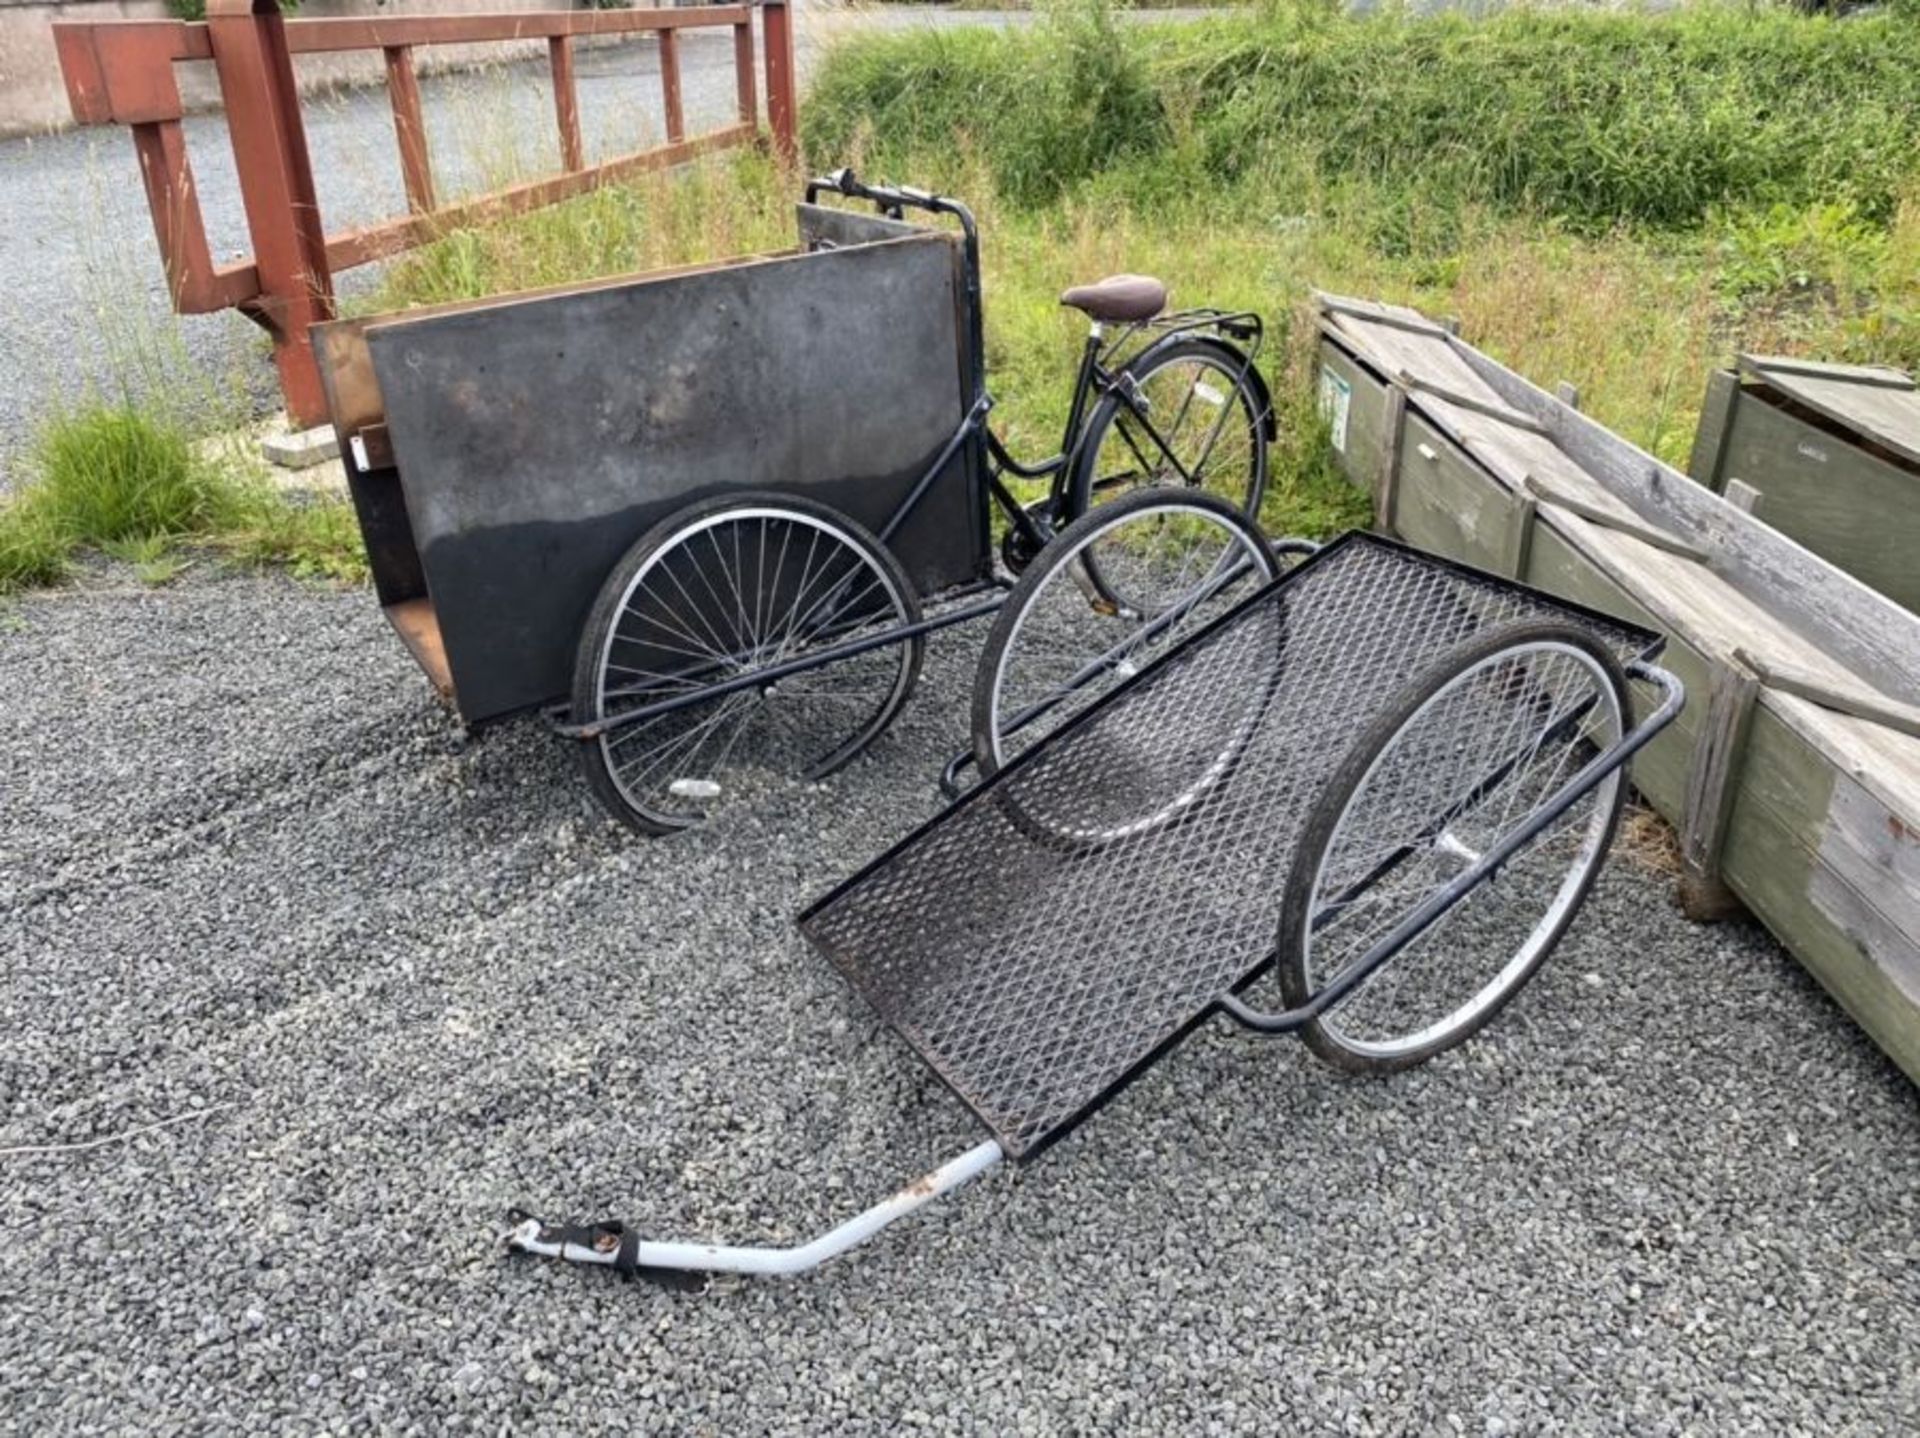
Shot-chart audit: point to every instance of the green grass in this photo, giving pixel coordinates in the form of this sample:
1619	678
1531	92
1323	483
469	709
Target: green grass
736	207
1593	118
1616	199
142	488
107	472
152	557
114	477
34	553
314	538
151	466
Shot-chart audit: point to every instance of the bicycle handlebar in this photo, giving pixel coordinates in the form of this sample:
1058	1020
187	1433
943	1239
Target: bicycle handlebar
890	198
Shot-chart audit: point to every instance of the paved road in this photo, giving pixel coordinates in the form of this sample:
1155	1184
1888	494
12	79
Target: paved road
76	243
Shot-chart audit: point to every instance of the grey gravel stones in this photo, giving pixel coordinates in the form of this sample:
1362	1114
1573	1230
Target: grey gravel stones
244	859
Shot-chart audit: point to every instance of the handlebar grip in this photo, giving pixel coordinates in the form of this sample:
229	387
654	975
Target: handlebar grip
840	181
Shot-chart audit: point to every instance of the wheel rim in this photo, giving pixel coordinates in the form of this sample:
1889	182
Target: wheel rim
1183	564
729	595
1484	751
1201	410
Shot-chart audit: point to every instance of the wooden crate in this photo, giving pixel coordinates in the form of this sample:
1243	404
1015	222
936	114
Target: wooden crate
1793	775
1827	454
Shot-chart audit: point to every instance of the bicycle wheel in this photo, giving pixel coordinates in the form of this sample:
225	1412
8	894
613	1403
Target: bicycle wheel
1467	754
1057	645
717	593
1200	424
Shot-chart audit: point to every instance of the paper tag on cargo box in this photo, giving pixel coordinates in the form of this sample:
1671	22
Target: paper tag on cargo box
1336	396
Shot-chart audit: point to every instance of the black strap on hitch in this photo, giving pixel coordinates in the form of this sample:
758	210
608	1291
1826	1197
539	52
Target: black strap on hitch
623	1243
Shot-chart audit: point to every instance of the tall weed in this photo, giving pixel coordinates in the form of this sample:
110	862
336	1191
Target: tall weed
1596	118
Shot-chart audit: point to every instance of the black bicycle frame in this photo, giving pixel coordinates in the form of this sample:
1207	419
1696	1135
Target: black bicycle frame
1093	378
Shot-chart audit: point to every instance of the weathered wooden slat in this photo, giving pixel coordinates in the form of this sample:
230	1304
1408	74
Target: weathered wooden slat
1876	376
1716	413
1446	502
1857	509
1718	753
1742	496
1377	314
1470	402
1367	408
1887	418
1612	519
1857	701
1391	440
1858	627
1525	514
1557	564
1818	859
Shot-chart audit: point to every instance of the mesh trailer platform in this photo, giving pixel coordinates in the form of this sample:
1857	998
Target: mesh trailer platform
1386	780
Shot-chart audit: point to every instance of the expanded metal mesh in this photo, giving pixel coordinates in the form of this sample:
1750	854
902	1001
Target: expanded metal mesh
1042	938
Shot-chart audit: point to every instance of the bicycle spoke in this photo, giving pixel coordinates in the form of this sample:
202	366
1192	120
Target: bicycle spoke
731	598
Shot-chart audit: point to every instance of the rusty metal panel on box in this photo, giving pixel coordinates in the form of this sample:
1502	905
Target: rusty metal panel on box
540	438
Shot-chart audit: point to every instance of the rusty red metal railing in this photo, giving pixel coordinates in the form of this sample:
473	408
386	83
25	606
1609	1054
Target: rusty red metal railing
121	72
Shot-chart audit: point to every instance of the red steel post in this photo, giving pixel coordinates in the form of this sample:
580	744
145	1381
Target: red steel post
566	103
262	100
776	23
410	128
743	71
670	87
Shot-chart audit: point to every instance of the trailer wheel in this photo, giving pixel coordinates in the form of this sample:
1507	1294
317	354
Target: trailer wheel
1466	754
710	599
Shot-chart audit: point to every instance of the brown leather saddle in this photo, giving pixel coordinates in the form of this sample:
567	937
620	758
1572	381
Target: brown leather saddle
1119	299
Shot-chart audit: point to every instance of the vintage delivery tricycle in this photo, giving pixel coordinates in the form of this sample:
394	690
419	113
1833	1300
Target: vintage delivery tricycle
661	507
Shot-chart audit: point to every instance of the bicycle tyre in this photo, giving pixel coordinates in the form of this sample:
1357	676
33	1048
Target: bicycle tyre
1424	705
1050	581
1233	384
676	602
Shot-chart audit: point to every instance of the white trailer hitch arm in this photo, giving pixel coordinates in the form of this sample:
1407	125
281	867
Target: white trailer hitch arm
613	1245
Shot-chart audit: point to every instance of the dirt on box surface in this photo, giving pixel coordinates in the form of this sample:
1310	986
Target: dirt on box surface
248	866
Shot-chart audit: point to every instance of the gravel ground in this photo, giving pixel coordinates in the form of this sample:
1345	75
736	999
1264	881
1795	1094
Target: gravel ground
1671	1190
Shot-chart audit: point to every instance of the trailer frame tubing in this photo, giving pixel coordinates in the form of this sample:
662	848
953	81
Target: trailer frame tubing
1613	758
774	673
